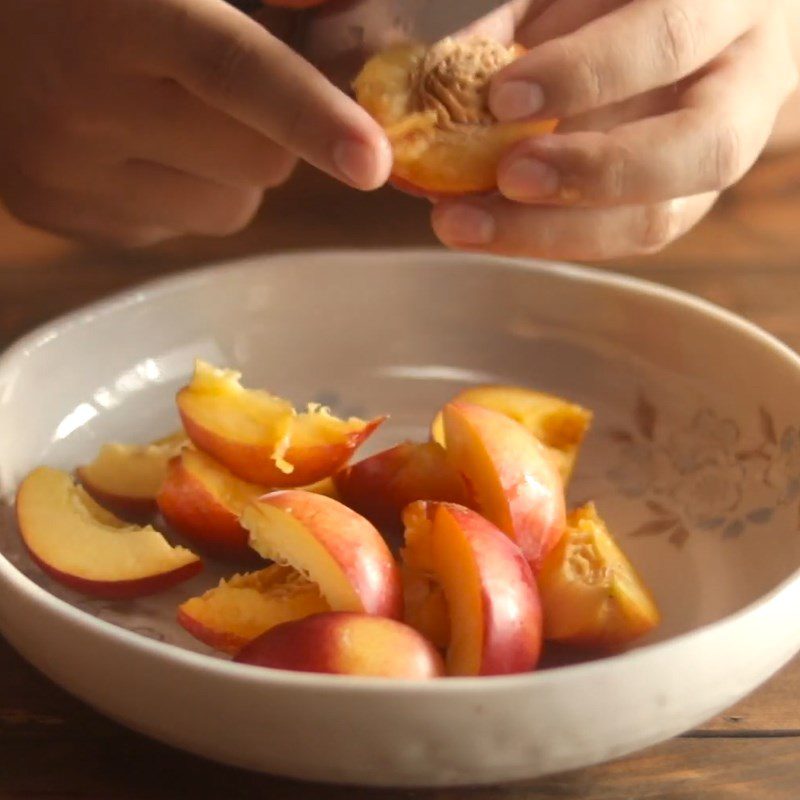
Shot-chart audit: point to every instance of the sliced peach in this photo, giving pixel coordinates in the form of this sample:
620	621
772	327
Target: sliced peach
203	500
341	643
591	593
512	478
239	610
87	548
331	545
126	478
433	104
260	437
425	606
381	486
557	423
493	605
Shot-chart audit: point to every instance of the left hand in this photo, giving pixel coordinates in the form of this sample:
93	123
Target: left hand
663	104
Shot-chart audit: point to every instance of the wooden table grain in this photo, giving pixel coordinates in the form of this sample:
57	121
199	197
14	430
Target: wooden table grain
745	256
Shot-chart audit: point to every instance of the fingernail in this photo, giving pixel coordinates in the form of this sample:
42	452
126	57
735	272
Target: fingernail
359	164
464	225
529	179
516	100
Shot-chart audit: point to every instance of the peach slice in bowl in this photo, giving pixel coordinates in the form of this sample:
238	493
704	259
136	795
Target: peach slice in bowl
260	437
87	548
331	545
559	424
126	478
433	104
494	613
241	608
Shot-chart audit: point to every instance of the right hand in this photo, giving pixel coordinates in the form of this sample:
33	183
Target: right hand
134	121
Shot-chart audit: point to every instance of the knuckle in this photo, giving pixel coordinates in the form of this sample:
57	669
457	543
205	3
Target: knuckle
234	211
279	170
658	228
223	63
613	175
678	38
584	73
136	238
726	155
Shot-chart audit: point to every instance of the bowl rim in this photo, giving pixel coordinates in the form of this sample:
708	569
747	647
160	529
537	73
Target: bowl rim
260	676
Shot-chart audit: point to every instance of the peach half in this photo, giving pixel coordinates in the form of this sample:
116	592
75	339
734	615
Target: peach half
240	609
512	479
591	594
126	478
381	486
203	500
85	547
342	643
493	606
557	423
260	437
329	544
433	104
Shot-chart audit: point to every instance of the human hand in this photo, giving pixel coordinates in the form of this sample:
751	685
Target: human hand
138	120
664	104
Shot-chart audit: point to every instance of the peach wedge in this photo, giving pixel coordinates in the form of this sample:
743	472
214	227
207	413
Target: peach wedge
433	104
87	548
512	478
240	609
203	500
341	643
591	594
331	545
559	424
493	605
381	486
259	437
126	478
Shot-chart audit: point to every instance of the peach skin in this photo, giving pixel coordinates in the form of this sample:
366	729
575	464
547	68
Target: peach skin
591	593
86	547
381	486
512	478
493	605
559	424
342	643
126	478
331	545
203	500
433	104
240	609
259	437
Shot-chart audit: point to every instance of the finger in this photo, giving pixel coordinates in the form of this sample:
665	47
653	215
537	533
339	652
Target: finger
166	197
235	65
163	123
707	144
76	216
563	17
636	48
499	226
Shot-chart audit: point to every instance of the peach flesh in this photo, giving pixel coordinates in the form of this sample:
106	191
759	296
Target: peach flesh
331	545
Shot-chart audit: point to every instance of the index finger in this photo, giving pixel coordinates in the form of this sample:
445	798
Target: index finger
235	65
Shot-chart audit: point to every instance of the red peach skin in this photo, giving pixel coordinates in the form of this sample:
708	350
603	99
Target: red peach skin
492	600
512	478
342	643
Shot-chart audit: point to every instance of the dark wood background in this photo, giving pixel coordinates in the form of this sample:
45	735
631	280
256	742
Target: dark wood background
745	256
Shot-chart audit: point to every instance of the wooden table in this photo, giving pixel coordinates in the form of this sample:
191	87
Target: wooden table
745	256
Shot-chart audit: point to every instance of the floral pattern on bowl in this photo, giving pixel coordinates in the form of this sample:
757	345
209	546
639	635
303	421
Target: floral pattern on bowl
707	475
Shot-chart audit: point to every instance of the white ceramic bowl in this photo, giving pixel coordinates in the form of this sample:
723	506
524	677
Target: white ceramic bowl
694	460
